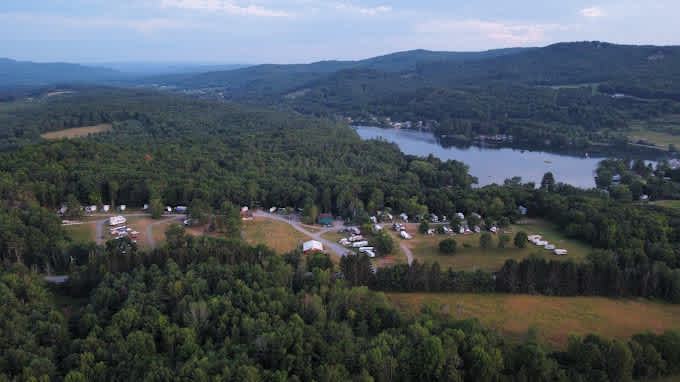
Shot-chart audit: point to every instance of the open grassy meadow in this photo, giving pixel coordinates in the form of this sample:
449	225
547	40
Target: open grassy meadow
333	236
470	256
555	318
672	204
275	234
83	233
660	132
78	131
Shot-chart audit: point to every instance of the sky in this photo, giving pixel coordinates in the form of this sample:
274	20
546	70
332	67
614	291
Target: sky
298	31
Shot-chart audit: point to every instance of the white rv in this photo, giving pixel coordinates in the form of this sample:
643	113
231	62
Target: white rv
116	220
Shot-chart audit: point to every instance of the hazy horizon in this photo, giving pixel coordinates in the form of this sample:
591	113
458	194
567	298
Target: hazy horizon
301	31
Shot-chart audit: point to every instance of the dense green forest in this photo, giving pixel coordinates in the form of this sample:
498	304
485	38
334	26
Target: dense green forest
216	309
219	310
558	96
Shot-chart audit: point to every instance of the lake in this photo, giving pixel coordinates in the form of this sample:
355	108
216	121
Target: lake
493	165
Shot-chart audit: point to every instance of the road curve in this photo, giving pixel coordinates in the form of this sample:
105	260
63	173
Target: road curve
333	247
100	225
149	234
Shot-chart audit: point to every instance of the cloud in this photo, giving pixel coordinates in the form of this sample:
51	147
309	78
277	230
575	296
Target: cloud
148	25
227	6
592	12
364	11
510	33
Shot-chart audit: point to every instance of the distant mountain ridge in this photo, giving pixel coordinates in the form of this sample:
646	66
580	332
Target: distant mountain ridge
273	81
13	73
645	71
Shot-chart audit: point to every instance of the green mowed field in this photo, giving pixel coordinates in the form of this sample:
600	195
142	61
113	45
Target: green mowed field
83	233
275	234
555	318
666	131
333	236
672	204
470	256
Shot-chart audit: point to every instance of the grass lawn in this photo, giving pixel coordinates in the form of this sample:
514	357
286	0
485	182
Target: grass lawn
83	233
333	236
139	224
426	248
397	257
275	234
553	317
158	232
672	204
77	131
312	228
675	378
661	136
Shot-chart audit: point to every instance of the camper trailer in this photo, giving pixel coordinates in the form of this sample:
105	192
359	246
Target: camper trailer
116	220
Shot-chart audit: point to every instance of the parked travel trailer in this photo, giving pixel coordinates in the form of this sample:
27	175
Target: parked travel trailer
116	220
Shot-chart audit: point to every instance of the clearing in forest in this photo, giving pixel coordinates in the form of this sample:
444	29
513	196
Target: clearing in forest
470	256
555	318
659	132
78	131
275	234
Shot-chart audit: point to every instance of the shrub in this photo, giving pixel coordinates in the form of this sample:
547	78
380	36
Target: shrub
448	246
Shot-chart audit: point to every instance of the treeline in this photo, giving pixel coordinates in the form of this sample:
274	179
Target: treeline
34	236
247	319
637	234
600	276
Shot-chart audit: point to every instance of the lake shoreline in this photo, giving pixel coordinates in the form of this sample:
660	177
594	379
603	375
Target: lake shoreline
595	150
493	164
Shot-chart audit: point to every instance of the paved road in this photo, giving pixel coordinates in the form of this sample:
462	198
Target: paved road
100	226
333	247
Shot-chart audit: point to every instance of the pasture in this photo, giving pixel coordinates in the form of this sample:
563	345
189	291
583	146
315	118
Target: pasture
77	131
555	318
660	132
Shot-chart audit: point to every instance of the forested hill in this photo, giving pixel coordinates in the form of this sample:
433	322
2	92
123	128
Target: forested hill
562	64
558	64
13	73
559	96
272	79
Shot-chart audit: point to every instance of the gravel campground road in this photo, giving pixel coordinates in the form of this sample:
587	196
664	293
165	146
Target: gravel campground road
333	247
100	226
407	252
149	234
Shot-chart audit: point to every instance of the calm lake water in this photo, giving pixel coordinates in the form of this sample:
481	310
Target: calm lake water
493	165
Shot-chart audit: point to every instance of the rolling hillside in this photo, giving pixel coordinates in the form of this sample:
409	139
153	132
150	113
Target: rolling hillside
273	80
16	73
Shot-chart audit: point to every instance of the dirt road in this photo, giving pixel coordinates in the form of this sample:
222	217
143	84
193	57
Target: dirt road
331	246
100	226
